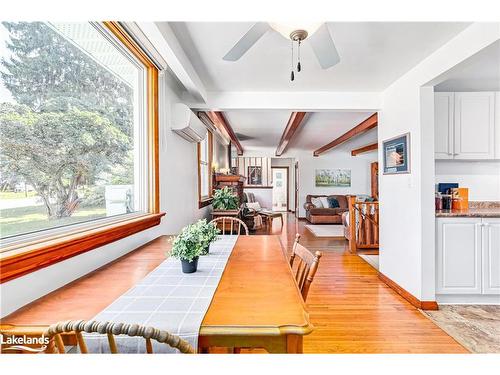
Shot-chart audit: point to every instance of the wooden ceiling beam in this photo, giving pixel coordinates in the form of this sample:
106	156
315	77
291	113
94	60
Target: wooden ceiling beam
368	124
220	122
291	128
367	148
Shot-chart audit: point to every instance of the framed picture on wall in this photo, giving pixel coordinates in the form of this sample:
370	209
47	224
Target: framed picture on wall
254	175
333	178
396	154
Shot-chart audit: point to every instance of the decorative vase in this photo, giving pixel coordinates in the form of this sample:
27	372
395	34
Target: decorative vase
189	267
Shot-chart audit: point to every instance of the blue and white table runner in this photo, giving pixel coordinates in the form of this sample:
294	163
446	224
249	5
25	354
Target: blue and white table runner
166	299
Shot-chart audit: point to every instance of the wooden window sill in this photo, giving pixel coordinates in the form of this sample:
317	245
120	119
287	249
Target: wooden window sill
21	261
205	202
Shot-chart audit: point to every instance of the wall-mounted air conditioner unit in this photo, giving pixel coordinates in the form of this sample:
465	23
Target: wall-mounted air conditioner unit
187	124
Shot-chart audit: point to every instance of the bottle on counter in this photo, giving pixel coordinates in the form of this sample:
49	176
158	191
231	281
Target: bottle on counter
447	201
438	200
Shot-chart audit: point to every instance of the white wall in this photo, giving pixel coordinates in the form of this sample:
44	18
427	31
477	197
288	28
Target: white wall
338	158
481	177
178	198
263	196
407	210
178	170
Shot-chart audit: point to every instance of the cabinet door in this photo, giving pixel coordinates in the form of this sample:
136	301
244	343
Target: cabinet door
491	256
474	136
443	125
458	263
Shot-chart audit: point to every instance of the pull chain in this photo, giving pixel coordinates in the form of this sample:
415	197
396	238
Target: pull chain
298	57
292	75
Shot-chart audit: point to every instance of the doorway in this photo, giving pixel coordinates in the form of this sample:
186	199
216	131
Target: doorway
280	189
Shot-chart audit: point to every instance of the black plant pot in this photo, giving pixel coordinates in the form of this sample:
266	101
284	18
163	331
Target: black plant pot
189	267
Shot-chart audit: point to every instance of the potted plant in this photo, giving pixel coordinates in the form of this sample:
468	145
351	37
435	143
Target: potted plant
193	241
187	247
224	199
208	234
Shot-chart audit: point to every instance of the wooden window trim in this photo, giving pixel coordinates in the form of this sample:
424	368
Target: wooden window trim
205	201
21	259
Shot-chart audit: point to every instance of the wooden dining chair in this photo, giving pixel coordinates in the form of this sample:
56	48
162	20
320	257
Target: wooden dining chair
56	344
232	222
305	266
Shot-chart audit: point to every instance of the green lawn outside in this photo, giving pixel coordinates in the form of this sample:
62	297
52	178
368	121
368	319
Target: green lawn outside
18	195
29	219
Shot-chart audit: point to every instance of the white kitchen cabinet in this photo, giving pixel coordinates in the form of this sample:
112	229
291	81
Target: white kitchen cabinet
491	255
497	125
443	124
468	256
474	125
458	262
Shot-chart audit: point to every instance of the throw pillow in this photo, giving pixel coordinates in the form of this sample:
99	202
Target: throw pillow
333	202
324	202
317	202
254	205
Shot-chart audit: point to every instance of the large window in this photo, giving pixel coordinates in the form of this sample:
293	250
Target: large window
205	152
74	119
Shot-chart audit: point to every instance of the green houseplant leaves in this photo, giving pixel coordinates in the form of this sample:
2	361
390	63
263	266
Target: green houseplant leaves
224	199
193	240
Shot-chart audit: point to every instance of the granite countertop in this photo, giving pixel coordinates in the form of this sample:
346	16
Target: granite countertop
476	209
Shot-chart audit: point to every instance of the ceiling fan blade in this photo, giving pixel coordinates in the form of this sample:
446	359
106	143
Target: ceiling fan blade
247	41
324	48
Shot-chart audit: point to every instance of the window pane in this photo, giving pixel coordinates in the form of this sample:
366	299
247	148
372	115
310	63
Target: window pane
204	150
204	180
71	114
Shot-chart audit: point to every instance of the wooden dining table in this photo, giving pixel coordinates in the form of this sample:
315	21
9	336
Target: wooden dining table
257	303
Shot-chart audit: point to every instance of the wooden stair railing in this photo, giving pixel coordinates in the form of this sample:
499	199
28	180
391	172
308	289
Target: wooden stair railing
363	225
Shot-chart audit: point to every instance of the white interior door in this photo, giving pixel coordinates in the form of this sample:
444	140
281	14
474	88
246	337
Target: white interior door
280	189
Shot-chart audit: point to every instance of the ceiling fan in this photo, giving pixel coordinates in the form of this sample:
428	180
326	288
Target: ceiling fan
317	34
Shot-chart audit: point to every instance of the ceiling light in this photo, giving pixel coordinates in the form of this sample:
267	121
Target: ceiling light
289	30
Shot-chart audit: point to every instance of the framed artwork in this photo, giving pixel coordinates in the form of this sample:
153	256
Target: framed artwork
333	177
396	154
254	175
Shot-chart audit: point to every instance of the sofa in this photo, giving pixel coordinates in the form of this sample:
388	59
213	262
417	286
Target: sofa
321	215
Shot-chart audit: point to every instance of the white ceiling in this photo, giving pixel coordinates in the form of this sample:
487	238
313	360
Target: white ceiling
373	55
261	129
480	72
258	128
320	128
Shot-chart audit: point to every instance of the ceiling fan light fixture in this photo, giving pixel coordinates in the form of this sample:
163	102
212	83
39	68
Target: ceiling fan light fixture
296	31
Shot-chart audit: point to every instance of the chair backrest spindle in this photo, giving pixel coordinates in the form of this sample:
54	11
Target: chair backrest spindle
233	221
307	265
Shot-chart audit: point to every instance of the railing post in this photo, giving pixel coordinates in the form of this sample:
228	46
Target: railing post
352	224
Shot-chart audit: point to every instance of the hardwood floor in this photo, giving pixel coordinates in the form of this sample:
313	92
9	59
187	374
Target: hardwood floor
351	309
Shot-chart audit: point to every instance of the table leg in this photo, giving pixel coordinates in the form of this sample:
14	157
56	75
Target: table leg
294	344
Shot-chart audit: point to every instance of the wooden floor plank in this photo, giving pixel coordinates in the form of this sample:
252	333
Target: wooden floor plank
351	309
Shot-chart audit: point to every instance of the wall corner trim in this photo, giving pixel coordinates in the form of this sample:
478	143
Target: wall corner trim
423	305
